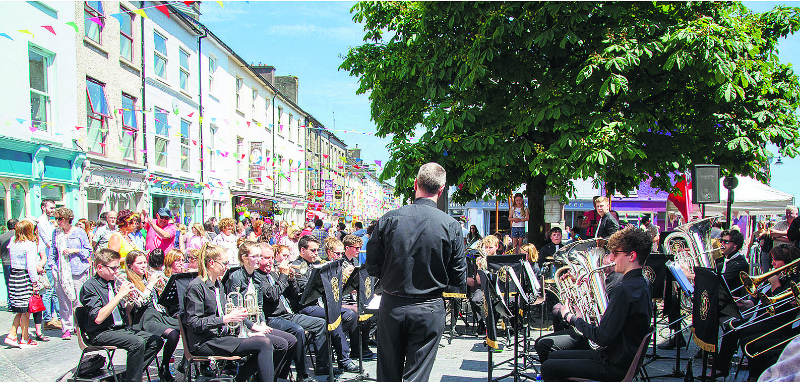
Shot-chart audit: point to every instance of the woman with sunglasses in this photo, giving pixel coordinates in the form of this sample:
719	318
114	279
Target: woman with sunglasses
120	241
207	322
71	250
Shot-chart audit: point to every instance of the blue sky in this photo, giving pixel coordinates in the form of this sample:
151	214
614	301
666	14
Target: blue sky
307	39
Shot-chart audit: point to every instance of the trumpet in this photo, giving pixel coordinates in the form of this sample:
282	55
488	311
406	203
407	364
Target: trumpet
135	296
750	284
234	302
161	284
252	307
299	270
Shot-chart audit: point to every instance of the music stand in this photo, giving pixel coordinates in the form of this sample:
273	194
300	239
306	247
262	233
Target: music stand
354	283
171	297
492	302
315	288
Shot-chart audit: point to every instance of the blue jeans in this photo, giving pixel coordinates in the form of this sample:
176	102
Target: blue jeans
50	298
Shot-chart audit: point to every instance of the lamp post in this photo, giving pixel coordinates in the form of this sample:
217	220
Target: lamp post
730	183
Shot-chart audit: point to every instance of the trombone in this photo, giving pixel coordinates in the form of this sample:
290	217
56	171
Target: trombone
793	292
751	283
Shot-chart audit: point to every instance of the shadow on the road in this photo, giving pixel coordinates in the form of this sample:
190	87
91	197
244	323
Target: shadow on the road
481	347
456	378
473	365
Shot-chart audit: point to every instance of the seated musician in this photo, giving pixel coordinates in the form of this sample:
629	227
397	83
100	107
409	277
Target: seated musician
107	325
489	247
565	337
550	249
350	247
309	249
624	324
761	322
733	262
279	315
248	279
147	314
206	319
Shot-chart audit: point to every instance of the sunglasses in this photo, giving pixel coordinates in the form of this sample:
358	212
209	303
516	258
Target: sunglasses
723	241
339	253
313	250
111	268
353	246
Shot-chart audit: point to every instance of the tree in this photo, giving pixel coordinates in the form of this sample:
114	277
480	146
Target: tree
540	93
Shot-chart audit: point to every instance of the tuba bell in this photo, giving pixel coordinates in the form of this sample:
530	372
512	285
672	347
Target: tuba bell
691	244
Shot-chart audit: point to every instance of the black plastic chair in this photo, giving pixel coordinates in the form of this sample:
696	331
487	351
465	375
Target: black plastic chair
192	359
636	366
81	317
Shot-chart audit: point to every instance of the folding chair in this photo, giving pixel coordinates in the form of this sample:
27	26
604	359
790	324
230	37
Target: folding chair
636	365
81	316
192	359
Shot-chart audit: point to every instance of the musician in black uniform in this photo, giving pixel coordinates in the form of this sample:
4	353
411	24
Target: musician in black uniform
608	223
549	249
417	252
107	321
775	285
207	322
309	254
351	244
249	279
624	324
733	262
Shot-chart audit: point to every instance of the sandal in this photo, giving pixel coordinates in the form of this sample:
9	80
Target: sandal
12	342
29	344
41	337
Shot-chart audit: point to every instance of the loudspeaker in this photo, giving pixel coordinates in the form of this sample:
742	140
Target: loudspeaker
705	183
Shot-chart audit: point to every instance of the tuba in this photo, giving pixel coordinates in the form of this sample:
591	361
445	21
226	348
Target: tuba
691	244
584	261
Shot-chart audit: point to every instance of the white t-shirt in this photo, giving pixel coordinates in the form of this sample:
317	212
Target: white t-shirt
517	212
229	243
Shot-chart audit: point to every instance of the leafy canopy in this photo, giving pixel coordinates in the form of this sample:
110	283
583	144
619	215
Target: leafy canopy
507	93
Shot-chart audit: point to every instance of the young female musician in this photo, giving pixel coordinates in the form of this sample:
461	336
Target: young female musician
147	314
206	319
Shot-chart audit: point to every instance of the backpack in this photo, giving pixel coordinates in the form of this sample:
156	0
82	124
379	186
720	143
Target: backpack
91	366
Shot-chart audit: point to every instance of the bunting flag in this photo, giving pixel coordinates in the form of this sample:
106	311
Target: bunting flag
26	32
6	36
220	4
49	28
163	9
97	21
118	16
73	25
139	12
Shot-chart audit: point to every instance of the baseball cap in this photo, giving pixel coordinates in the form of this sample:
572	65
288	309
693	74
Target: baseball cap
164	212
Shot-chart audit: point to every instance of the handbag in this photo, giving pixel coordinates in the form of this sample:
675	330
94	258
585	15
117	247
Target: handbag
44	282
35	304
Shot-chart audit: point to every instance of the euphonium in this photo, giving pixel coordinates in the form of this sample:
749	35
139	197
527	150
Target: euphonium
751	283
691	244
234	302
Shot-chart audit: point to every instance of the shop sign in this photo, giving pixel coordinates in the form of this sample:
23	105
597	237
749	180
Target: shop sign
338	194
117	181
328	191
256	159
176	189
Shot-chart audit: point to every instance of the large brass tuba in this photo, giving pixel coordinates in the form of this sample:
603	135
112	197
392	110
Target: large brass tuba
584	260
691	244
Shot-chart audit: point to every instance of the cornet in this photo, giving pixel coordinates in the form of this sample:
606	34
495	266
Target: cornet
162	279
135	296
235	301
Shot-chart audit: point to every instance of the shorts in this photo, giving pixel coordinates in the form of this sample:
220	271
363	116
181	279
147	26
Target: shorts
517	232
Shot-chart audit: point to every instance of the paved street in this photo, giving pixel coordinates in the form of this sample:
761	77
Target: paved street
463	360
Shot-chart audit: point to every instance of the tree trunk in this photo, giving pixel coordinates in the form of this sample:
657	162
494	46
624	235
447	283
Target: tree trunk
536	190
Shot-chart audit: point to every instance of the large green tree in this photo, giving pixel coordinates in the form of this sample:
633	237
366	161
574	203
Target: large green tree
540	93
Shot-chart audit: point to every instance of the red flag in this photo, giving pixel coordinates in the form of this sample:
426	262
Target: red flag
681	199
48	27
164	9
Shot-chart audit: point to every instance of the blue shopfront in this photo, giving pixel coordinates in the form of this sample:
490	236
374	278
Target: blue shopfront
31	172
182	197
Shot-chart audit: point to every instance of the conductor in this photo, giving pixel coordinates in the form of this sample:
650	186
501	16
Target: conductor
417	251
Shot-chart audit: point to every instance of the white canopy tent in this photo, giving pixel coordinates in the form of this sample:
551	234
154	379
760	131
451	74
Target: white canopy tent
750	197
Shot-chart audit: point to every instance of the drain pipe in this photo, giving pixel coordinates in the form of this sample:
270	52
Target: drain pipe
200	96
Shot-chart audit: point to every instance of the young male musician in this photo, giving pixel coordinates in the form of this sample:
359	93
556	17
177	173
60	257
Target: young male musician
108	322
623	326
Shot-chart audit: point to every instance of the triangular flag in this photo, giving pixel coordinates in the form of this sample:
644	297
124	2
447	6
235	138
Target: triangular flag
190	115
163	9
78	128
378	163
220	4
139	12
73	25
20	120
48	27
6	36
97	21
118	16
188	3
248	123
201	120
27	32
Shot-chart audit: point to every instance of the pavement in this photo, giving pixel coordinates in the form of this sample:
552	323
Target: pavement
460	359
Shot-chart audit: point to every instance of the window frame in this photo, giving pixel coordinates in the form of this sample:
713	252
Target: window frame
239	83
157	110
212	162
123	35
92	12
253	106
213	64
105	98
184	70
160	55
184	141
48	108
135	126
133	135
164	154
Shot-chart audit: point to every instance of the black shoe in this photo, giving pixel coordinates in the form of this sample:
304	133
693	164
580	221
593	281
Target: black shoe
181	366
305	379
481	329
673	343
369	356
165	375
349	366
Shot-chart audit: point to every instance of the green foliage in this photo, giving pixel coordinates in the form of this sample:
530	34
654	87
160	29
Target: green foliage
508	92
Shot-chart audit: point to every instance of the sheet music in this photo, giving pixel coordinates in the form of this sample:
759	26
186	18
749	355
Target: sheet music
680	277
535	285
375	303
516	282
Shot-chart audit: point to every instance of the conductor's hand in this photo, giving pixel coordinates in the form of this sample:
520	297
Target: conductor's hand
236	315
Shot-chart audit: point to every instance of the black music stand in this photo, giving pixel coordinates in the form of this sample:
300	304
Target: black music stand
172	296
316	288
355	284
495	303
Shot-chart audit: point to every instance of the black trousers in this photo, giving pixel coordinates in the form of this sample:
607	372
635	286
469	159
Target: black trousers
296	325
366	328
285	345
141	347
581	364
348	326
409	331
567	339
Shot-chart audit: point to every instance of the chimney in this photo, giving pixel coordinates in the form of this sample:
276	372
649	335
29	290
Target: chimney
288	86
266	71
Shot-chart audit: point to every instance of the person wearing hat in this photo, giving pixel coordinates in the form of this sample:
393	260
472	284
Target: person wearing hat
160	232
652	231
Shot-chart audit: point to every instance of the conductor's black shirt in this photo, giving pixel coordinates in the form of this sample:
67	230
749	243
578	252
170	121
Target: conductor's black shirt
626	320
417	251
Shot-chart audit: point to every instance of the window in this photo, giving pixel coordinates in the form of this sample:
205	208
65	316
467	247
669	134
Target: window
126	34
39	68
96	116
160	55
238	88
184	77
92	29
129	128
128	145
277	167
185	153
240	149
18	198
212	152
212	70
289	136
129	112
253	106
161	139
280	114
